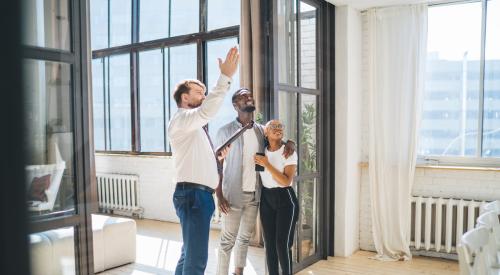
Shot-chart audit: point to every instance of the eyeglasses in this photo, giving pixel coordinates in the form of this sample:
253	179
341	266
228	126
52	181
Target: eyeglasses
276	126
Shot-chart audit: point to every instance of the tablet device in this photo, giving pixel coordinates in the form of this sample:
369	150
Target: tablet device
234	137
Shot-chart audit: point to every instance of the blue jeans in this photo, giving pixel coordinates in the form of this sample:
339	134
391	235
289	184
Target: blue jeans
194	207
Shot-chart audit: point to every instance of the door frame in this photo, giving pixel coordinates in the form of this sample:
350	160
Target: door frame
85	192
326	113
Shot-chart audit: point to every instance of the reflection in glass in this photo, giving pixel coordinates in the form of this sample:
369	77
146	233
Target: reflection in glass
120	22
218	49
308	138
182	66
46	24
185	18
49	141
287	42
151	101
98	100
223	13
53	251
99	24
450	107
307	46
307	225
287	105
153	19
491	126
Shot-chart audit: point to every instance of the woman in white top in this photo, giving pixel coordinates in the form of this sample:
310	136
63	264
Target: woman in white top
278	204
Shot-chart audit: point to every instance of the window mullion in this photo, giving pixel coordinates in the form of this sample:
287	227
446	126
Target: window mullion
164	102
103	61
134	81
480	109
203	15
108	103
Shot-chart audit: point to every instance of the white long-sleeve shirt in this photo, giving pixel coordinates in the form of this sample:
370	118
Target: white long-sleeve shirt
193	156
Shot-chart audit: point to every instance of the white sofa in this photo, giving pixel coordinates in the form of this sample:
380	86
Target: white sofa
114	239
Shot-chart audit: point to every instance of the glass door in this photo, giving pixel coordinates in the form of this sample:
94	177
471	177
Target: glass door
57	160
296	98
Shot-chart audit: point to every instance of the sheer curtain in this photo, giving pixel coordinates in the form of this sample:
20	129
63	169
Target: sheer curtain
397	40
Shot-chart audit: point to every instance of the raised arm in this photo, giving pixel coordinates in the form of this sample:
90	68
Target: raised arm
197	117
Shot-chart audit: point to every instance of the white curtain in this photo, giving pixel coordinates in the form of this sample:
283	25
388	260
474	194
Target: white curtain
397	40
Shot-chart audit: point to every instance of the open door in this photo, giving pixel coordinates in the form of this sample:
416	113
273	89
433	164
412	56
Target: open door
302	98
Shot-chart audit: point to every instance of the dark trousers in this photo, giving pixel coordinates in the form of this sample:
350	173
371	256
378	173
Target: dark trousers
279	213
194	207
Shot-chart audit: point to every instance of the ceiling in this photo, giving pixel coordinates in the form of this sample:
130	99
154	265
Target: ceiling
365	4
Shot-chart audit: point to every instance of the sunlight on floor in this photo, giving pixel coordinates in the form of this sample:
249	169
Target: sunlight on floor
159	246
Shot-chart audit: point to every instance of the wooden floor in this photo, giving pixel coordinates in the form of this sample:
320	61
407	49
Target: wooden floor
159	245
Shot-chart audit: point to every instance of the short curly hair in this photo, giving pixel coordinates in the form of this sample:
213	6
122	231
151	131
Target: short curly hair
237	93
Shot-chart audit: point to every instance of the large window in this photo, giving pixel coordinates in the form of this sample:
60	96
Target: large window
141	50
461	110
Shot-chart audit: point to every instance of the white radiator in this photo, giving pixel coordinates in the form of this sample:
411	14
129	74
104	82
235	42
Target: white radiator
437	224
119	194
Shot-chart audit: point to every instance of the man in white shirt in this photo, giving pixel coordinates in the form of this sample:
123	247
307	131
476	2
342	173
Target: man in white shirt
196	166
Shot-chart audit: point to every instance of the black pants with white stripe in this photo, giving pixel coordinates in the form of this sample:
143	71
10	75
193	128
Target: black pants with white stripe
279	213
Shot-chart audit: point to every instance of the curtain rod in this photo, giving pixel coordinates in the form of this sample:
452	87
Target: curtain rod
431	3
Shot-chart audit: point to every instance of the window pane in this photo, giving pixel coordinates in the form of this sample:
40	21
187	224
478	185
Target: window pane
309	217
287	105
183	62
153	20
151	101
99	24
119	103
218	49
53	251
46	24
308	138
120	21
50	176
185	17
491	126
450	108
98	103
287	42
223	13
307	46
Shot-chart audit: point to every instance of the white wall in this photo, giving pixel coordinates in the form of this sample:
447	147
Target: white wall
347	129
156	184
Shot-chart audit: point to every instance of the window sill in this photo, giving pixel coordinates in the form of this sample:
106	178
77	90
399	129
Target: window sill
134	155
447	167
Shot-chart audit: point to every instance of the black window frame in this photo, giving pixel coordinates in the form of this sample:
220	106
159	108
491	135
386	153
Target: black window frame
200	38
85	191
325	91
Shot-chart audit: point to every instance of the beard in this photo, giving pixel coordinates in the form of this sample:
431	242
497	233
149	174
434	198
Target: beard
194	105
249	109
